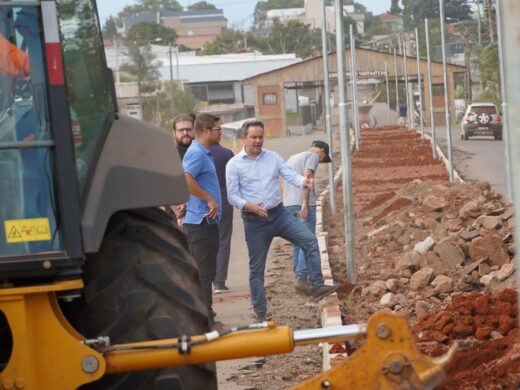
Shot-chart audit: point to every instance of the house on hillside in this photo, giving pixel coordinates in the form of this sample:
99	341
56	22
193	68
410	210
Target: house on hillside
310	14
194	27
393	21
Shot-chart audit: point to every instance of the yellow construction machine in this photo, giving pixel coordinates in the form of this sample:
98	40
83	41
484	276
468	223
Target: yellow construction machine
97	289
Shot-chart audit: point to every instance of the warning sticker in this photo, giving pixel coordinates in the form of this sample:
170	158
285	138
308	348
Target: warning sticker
26	230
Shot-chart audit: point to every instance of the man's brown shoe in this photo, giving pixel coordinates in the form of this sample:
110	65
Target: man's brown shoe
320	292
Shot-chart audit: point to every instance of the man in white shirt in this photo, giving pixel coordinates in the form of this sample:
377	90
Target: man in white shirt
252	179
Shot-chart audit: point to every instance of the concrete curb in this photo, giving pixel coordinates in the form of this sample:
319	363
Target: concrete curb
331	313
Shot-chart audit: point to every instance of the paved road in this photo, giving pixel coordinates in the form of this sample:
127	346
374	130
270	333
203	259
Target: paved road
479	158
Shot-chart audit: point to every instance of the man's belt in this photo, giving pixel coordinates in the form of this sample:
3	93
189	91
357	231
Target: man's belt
269	211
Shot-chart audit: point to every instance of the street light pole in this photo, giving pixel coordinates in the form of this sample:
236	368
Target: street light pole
407	94
419	77
328	115
505	127
396	83
346	163
446	97
353	79
387	93
430	87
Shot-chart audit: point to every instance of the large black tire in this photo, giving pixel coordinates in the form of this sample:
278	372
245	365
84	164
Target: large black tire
143	285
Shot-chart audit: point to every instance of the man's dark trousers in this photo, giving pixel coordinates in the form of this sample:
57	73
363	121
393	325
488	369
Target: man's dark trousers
203	245
225	230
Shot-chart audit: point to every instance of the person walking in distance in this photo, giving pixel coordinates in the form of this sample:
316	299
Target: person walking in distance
252	179
302	204
221	156
204	205
183	134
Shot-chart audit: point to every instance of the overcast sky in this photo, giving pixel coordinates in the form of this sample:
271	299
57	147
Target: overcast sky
238	12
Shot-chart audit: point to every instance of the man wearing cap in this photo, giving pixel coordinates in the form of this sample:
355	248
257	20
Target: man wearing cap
301	203
252	179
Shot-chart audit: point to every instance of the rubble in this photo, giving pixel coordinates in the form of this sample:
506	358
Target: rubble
421	278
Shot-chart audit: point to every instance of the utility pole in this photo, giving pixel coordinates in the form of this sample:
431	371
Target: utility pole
353	79
387	94
446	95
346	158
511	20
430	85
407	91
419	78
328	114
396	83
491	24
171	78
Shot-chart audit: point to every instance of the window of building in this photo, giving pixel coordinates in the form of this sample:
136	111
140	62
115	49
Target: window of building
269	98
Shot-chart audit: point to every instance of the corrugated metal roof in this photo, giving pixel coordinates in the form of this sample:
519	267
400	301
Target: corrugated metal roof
218	68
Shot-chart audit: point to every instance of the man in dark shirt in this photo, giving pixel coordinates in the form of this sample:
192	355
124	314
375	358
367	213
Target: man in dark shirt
221	156
183	134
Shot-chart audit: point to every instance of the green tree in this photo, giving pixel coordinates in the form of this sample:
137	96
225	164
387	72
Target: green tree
489	75
293	37
202	5
152	33
415	11
141	65
156	108
228	41
109	30
150	5
394	8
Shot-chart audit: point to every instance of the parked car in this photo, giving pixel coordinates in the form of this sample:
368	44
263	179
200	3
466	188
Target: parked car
481	119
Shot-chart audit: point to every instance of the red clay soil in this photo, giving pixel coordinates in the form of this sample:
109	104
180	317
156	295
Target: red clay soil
487	363
388	158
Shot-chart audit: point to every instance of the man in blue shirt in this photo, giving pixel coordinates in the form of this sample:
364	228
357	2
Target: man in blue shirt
252	179
204	205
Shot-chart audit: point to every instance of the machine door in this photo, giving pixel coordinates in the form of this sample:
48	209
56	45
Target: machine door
28	207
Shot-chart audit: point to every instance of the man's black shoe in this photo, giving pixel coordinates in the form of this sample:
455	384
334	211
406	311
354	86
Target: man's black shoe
320	292
261	317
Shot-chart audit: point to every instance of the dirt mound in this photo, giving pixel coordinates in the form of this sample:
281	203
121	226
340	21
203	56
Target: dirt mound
490	354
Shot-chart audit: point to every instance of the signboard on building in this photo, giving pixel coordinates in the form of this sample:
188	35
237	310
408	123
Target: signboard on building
361	73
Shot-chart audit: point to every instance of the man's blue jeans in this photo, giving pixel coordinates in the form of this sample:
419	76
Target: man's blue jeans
300	269
259	235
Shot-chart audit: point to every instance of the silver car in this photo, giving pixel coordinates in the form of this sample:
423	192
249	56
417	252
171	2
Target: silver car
481	119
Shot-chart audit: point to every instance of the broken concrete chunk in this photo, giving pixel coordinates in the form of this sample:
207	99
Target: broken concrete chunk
472	266
494	335
433	203
468	236
421	308
406	261
508	213
443	284
424	246
378	230
421	278
392	285
484	269
470	207
486	280
491	247
377	288
506	271
489	222
388	300
451	255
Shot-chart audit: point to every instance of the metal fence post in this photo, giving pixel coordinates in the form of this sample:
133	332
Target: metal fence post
430	89
419	78
353	80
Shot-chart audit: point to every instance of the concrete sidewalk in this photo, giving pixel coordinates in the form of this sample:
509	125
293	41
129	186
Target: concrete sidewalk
235	308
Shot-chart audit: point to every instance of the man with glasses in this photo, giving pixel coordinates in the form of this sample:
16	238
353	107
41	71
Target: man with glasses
183	132
204	207
252	179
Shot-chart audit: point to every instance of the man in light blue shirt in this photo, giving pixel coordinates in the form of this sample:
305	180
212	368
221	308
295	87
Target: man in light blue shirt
204	205
252	179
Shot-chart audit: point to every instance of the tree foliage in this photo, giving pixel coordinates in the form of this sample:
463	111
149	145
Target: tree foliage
489	75
152	33
141	66
262	7
415	11
150	5
156	109
228	41
394	8
202	5
110	28
293	37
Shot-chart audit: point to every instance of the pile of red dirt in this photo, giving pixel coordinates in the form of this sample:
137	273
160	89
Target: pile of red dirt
490	354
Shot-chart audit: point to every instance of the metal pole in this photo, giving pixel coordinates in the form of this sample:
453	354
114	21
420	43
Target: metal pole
118	74
505	129
419	77
396	84
511	23
430	84
328	116
353	79
171	79
387	94
405	60
346	163
446	97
